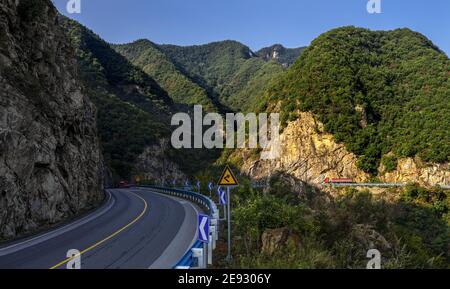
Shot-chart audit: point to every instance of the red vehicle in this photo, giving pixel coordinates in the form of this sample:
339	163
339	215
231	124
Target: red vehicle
338	181
124	184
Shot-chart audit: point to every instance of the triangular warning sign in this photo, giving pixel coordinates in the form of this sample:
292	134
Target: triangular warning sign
228	179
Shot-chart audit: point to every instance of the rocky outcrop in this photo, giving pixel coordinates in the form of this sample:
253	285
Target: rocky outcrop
154	165
274	240
307	153
310	155
49	153
284	56
415	171
367	237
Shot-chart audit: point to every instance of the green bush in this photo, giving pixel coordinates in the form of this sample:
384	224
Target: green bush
389	163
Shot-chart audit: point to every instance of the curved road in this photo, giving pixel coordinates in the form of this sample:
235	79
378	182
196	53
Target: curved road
134	229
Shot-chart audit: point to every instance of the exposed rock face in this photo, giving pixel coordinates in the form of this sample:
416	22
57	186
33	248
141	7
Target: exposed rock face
369	238
153	164
308	154
284	56
49	154
274	240
414	170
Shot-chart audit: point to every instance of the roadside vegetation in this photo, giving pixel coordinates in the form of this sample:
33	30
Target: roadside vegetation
410	227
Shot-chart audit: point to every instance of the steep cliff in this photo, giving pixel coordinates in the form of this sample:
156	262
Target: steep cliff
50	165
310	154
417	171
155	165
307	153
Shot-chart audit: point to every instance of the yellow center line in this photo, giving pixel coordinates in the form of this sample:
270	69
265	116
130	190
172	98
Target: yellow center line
109	237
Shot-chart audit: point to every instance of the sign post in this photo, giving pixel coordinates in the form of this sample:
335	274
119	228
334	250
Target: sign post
174	182
228	180
203	234
229	225
203	228
223	201
223	198
210	187
219	195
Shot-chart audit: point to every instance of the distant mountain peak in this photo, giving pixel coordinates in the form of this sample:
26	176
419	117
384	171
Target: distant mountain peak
281	54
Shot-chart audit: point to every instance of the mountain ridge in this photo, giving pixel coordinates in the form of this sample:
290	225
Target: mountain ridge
373	92
147	55
281	54
225	70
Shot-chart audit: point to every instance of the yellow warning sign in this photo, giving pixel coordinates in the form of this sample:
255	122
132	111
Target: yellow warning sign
228	179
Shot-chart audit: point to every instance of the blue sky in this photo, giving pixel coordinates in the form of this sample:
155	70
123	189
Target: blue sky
256	23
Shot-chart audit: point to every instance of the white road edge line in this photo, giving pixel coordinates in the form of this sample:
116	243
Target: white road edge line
57	232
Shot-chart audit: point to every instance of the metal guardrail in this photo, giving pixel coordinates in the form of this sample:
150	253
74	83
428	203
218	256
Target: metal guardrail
189	260
379	185
259	185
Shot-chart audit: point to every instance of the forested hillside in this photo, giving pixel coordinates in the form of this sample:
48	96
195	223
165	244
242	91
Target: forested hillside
133	110
180	88
230	72
378	92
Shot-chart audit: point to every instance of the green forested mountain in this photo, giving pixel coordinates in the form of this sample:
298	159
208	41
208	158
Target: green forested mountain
228	70
281	54
156	64
252	80
133	111
376	91
220	76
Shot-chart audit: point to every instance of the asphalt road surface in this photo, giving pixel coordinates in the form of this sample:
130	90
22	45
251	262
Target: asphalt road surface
134	229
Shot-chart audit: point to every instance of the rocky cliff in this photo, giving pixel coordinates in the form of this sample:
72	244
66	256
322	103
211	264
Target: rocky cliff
49	152
415	170
153	164
281	54
310	155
